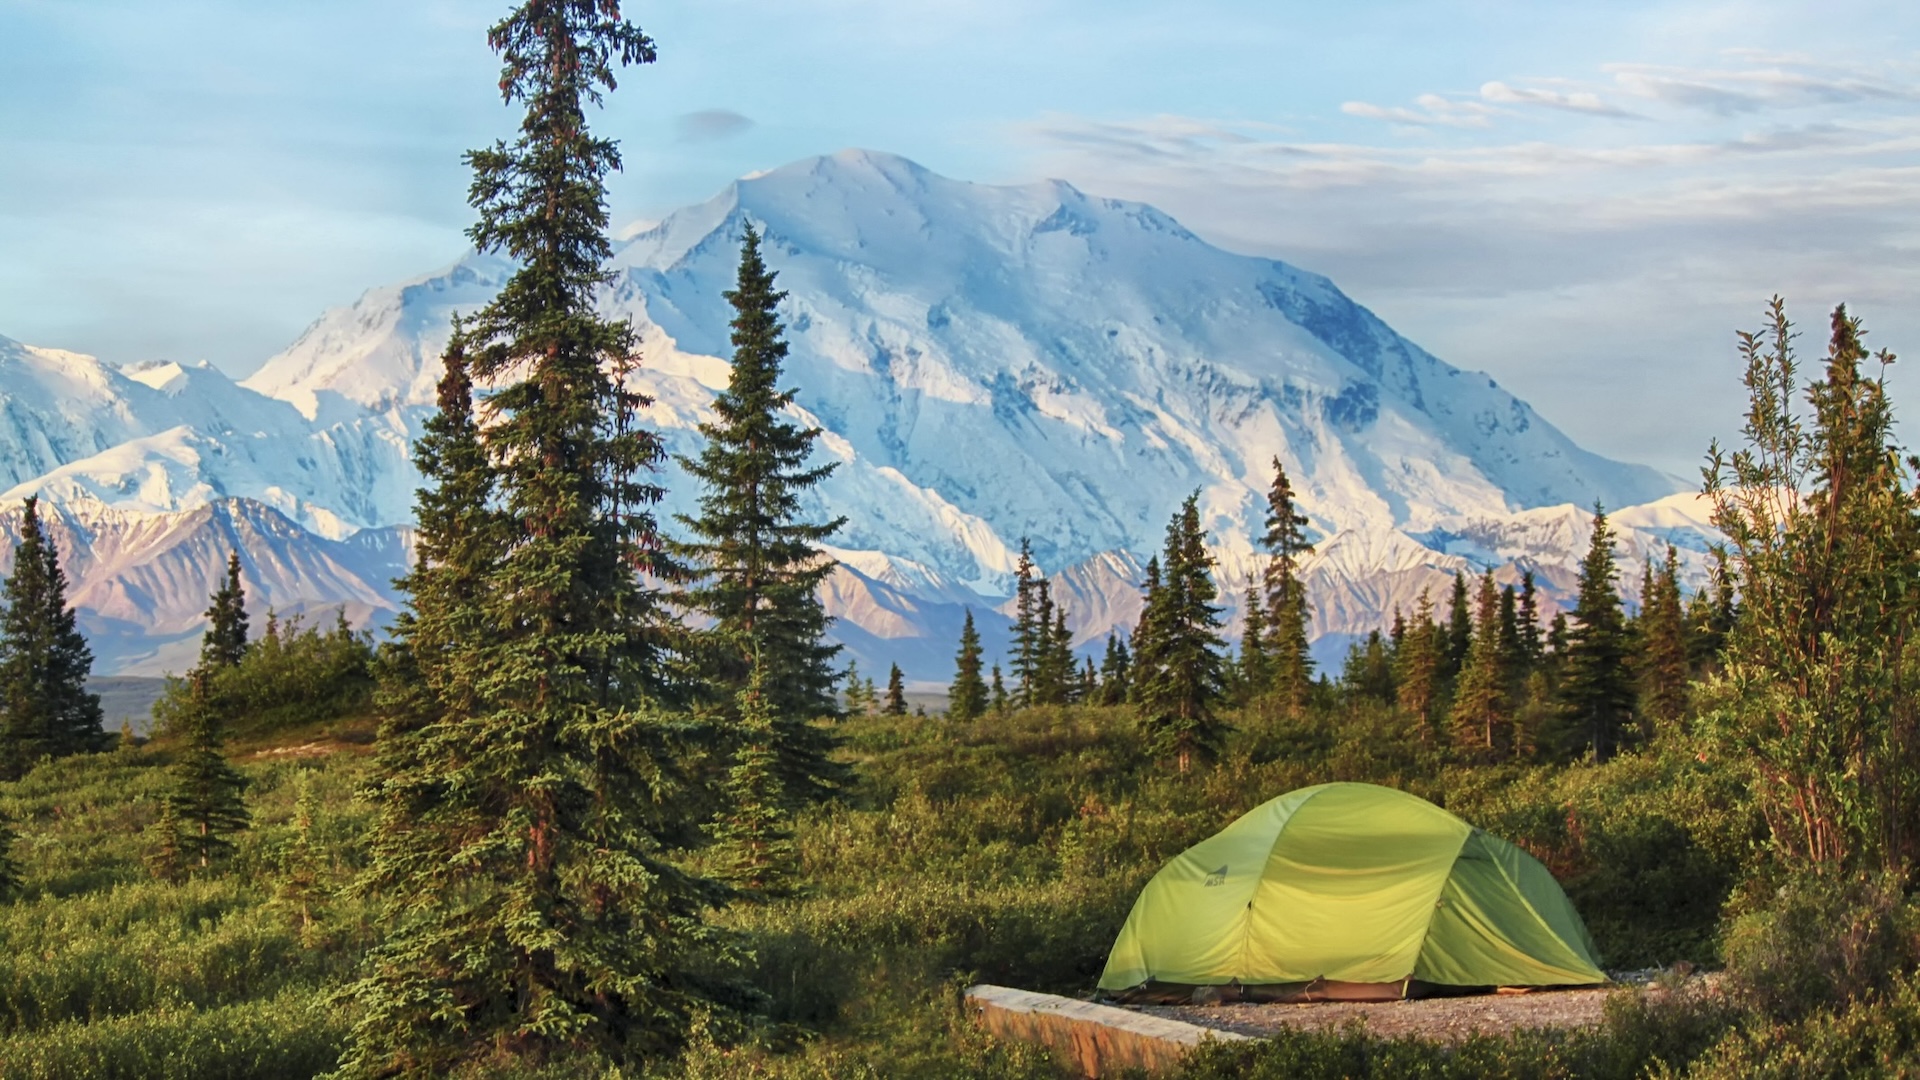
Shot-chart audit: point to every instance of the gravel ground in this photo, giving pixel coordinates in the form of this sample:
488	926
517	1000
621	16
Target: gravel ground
1442	1018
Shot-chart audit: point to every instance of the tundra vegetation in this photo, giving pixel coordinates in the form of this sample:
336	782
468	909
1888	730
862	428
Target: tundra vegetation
604	803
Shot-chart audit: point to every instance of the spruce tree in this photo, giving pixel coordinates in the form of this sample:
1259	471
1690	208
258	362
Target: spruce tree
207	792
1032	626
1368	674
1115	672
529	855
753	836
859	703
896	693
1089	690
1418	673
1513	651
166	856
1534	715
967	696
299	884
1528	621
1596	689
420	672
225	642
1480	712
1288	614
1180	673
1255	674
44	660
1146	631
760	563
1660	664
1459	629
997	698
1058	674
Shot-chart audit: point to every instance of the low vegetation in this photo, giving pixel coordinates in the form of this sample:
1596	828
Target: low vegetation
1006	849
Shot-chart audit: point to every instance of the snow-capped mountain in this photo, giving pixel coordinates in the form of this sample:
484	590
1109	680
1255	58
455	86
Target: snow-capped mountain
986	363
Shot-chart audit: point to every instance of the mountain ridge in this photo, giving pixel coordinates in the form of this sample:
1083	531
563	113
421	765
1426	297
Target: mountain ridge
986	364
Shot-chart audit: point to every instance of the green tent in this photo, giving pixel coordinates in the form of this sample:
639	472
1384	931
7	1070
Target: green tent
1350	891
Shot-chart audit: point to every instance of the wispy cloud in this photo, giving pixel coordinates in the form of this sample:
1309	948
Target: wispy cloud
1429	110
1578	101
1768	81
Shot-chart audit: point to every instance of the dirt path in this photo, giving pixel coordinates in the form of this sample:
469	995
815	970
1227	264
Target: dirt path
1442	1018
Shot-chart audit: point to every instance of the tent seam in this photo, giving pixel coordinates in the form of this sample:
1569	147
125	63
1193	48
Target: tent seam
1438	896
1246	914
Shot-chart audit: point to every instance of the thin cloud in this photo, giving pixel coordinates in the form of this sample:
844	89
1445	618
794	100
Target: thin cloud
1432	110
1775	82
1578	101
711	125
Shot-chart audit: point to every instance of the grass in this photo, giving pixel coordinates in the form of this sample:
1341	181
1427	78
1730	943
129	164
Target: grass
1007	850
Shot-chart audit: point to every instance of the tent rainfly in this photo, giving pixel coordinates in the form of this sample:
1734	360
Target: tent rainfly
1349	891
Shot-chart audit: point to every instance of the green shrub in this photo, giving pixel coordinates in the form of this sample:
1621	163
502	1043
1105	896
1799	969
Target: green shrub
1820	942
1879	1037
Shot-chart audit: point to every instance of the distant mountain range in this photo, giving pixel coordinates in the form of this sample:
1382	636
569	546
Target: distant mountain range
987	364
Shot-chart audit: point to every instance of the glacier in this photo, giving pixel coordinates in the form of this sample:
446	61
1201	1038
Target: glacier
987	364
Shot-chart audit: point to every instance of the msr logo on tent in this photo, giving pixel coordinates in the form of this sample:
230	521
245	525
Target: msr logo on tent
1218	877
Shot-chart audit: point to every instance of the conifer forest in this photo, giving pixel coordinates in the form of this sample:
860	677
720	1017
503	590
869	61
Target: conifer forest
606	801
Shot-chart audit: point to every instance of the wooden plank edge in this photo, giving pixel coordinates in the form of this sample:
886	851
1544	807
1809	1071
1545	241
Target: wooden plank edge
1099	1039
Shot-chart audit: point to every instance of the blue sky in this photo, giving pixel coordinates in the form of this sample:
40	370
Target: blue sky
1583	200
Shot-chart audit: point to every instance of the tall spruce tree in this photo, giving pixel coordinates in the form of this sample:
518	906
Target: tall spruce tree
1527	619
1459	629
1115	672
1418	674
225	642
1660	664
44	660
1513	651
896	703
1288	660
528	855
1596	688
760	563
1481	712
1058	674
1255	673
207	795
1145	630
1179	670
967	696
1032	627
